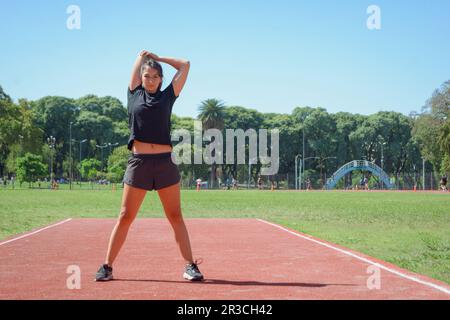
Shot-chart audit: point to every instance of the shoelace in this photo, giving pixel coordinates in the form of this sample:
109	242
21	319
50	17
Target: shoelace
195	264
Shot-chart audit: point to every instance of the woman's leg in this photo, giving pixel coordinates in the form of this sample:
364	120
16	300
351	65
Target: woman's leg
131	202
170	199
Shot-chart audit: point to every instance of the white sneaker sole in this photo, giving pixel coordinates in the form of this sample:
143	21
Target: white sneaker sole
191	278
105	279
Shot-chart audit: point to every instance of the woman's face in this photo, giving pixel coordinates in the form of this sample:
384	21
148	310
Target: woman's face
151	79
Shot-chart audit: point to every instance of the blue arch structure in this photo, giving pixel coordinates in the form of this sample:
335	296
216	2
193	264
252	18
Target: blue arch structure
359	165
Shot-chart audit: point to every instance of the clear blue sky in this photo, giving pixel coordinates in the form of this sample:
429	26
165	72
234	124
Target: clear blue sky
268	55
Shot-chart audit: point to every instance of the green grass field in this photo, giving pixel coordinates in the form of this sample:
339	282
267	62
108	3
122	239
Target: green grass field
411	230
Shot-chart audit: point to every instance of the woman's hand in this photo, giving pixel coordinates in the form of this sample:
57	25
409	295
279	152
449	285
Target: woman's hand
145	53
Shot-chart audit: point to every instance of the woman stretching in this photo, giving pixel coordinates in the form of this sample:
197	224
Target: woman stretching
150	166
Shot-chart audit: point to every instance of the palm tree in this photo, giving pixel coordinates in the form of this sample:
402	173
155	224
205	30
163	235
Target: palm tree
212	116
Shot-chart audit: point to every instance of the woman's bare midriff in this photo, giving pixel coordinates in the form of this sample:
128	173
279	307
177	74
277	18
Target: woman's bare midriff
140	147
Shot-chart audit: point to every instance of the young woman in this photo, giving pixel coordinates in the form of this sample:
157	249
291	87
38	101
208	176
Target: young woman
150	166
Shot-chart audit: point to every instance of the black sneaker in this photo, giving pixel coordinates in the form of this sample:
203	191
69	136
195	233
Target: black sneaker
192	273
104	273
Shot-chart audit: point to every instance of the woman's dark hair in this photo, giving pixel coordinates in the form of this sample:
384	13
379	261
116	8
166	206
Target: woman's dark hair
150	63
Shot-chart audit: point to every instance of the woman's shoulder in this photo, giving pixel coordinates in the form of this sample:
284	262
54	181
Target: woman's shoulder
132	91
169	91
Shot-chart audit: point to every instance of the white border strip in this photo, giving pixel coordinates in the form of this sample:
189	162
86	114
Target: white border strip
429	284
34	232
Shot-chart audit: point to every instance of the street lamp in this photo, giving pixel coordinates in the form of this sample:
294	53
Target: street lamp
250	161
302	174
102	147
70	155
297	172
81	142
423	172
382	154
382	159
51	143
112	145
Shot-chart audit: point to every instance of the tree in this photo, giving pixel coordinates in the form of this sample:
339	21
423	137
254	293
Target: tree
18	134
53	115
237	117
30	168
321	127
429	126
4	97
444	143
117	163
439	103
9	129
290	139
212	116
90	169
425	133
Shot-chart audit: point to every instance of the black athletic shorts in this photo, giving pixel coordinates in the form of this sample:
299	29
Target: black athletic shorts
151	171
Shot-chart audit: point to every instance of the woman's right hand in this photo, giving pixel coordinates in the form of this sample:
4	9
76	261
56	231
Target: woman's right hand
145	53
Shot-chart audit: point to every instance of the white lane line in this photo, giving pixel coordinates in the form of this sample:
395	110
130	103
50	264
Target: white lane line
34	232
428	284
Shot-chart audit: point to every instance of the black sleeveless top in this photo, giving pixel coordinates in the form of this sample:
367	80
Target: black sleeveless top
149	115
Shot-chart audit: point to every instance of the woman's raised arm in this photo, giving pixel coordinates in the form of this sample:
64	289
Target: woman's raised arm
180	77
135	80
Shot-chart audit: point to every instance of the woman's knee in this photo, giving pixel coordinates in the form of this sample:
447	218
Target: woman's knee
175	217
126	217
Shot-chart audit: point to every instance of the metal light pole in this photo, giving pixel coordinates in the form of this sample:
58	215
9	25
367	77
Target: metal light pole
302	173
423	173
51	143
70	156
249	170
297	172
81	142
382	162
102	147
112	145
382	155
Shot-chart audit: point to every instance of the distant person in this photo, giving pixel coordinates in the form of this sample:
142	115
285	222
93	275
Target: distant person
308	184
235	184
228	183
361	183
54	184
366	183
444	183
260	183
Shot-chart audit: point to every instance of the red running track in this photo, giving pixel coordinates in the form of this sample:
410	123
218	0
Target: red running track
243	259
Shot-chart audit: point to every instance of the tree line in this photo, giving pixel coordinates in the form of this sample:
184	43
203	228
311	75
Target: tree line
99	129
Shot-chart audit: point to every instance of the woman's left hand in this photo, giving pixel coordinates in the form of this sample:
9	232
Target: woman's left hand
153	56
